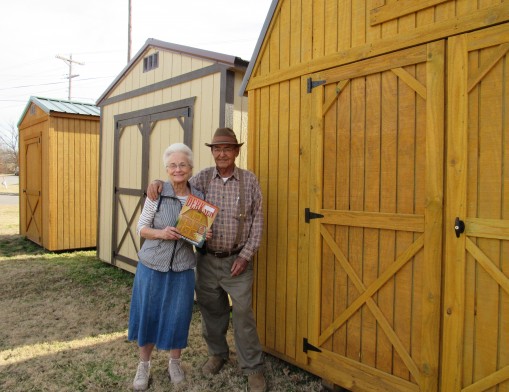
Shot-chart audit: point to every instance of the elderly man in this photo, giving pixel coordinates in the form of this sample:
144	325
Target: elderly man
224	266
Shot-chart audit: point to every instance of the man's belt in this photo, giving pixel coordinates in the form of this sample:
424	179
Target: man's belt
223	254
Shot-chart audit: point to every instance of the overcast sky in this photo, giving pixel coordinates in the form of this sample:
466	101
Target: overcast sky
95	32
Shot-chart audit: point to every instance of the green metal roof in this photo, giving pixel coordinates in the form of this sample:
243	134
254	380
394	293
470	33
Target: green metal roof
62	106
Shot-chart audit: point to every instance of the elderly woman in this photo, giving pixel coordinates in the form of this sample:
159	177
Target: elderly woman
163	290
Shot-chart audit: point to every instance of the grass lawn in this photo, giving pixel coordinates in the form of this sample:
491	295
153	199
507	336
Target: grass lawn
63	319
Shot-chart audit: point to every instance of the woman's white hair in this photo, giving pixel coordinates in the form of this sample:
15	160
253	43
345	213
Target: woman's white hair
177	147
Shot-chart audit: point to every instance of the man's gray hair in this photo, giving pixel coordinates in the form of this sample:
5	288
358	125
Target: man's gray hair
177	147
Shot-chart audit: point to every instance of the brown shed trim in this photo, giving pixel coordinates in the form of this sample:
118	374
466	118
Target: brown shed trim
145	119
156	109
99	173
226	96
212	69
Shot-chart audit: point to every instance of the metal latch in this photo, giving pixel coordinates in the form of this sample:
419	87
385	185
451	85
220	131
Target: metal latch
459	227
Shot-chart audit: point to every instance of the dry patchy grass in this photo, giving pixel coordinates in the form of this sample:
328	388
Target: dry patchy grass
9	220
63	319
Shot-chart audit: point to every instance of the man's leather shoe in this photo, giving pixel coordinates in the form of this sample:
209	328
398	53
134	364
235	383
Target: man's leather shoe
213	365
257	382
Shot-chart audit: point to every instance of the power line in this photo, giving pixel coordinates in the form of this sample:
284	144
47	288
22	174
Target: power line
30	85
51	83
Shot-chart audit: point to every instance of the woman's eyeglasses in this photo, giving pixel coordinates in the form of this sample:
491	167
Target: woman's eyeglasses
174	166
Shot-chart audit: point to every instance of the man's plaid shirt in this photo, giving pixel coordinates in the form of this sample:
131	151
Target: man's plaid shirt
225	195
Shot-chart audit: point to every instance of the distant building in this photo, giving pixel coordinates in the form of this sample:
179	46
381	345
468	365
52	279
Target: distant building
59	150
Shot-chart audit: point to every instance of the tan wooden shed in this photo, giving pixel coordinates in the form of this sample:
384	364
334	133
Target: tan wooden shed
378	130
58	160
167	93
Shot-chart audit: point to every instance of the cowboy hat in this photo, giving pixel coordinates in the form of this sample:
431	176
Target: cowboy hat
224	136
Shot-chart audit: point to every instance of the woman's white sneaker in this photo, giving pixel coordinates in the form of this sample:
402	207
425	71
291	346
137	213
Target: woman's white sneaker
175	371
142	377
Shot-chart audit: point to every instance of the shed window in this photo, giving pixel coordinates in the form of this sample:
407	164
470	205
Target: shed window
151	62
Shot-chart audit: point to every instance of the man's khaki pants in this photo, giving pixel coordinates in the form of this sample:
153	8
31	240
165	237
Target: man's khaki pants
213	284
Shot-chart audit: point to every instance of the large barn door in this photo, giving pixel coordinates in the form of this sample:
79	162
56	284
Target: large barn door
476	280
32	222
140	139
376	220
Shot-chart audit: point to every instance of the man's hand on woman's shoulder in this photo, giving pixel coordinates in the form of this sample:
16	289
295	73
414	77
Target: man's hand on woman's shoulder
154	189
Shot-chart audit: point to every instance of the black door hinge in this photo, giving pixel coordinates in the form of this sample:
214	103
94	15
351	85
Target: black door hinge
306	346
312	84
308	215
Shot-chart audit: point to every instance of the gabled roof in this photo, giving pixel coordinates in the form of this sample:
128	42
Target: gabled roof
61	106
258	46
232	61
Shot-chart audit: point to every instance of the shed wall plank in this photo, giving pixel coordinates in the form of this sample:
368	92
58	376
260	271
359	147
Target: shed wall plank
387	204
371	203
292	343
283	163
304	202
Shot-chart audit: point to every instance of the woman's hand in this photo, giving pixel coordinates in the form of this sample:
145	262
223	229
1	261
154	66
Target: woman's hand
208	236
170	233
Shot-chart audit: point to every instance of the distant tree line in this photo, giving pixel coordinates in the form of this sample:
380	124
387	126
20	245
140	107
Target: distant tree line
9	150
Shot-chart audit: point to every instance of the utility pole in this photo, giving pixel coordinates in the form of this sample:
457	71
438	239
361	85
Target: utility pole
129	28
69	61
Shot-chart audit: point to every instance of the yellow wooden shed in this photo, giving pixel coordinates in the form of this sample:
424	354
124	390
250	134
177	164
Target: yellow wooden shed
379	130
167	93
58	160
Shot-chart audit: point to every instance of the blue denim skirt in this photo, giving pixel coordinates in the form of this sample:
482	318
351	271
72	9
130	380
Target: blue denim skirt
161	307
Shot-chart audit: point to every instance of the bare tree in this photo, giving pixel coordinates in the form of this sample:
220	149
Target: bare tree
9	149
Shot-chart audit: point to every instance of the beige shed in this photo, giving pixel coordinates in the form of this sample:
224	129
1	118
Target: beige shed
385	259
167	93
58	159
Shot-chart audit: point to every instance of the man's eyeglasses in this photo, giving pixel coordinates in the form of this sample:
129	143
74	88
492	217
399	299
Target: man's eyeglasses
174	166
226	150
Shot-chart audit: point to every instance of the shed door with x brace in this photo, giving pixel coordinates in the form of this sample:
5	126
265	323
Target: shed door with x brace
476	280
140	140
32	224
375	254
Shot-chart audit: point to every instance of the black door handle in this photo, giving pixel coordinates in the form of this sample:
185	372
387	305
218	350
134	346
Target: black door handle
459	227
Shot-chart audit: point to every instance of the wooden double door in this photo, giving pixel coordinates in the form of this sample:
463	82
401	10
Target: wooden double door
140	140
409	253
